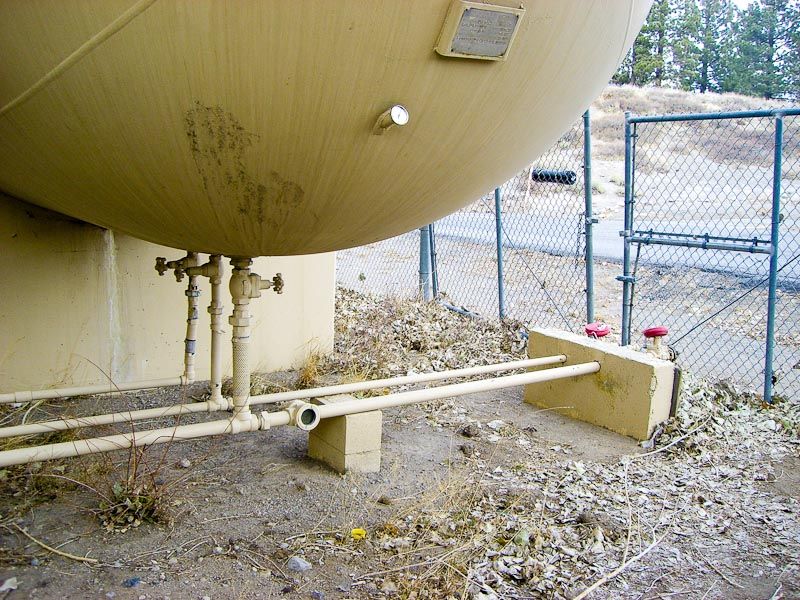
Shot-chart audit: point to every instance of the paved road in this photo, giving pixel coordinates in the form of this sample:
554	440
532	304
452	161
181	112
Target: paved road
553	235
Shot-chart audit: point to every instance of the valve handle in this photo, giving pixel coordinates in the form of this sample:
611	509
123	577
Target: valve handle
598	329
655	332
161	265
277	283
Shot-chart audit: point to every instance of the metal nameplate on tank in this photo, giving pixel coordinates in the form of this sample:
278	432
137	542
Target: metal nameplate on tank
481	31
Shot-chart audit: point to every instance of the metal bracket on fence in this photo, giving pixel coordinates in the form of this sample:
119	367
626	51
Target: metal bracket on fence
626	278
702	241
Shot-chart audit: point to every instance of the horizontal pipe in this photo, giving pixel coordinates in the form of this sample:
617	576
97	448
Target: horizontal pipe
109	419
142	438
283	417
361	386
351	407
101	388
198	407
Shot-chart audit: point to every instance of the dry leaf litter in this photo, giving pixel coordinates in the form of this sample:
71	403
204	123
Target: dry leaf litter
693	506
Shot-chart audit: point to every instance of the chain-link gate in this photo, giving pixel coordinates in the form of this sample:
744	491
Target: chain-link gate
712	247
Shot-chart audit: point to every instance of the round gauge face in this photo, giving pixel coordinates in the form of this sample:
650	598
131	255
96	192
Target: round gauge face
399	114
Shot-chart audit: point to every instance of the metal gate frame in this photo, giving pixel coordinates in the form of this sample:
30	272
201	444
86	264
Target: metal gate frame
705	241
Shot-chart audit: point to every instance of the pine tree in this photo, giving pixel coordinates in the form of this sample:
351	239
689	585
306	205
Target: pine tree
764	39
687	50
646	61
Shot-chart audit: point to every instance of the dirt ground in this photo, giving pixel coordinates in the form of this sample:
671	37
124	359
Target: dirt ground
481	497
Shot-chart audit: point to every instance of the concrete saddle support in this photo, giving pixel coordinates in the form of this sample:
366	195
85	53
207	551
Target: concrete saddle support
631	394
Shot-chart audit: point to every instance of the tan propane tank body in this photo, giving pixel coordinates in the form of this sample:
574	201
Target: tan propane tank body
248	127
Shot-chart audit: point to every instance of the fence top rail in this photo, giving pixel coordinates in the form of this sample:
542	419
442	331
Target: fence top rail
742	114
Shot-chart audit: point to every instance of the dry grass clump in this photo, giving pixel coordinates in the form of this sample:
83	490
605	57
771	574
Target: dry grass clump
136	492
33	484
308	375
382	337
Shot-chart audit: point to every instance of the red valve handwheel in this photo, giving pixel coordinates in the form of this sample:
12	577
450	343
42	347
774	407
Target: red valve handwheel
597	329
654	332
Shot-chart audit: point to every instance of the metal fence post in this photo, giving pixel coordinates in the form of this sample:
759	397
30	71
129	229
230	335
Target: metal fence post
589	218
425	263
434	262
498	227
773	259
626	234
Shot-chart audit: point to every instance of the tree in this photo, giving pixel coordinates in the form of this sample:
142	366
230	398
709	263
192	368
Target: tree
709	45
687	49
647	60
765	36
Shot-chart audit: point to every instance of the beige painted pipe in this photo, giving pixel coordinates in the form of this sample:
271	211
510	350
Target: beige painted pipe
111	418
215	310
142	438
361	386
101	388
192	317
350	407
241	291
300	414
223	404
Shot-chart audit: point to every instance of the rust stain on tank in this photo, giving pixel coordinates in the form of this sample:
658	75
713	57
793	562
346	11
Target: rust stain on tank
218	143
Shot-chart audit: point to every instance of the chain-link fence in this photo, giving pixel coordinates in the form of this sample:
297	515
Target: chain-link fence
541	229
700	192
541	233
389	267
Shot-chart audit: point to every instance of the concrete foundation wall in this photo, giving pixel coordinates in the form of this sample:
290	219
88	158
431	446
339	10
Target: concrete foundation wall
79	302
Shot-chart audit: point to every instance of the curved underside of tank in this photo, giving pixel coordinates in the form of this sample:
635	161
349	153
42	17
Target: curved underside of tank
246	127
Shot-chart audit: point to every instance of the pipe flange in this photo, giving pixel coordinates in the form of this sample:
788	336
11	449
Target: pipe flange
304	416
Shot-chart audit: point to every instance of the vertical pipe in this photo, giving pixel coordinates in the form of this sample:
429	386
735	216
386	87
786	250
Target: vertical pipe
773	259
425	263
192	317
588	215
434	262
626	251
215	311
241	288
498	233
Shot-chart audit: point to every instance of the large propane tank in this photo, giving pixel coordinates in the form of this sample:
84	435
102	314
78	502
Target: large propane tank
276	127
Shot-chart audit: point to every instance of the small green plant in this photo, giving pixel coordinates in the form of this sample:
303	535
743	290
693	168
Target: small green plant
130	504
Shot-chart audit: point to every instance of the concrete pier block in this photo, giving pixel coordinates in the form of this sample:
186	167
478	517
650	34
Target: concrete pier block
348	443
631	394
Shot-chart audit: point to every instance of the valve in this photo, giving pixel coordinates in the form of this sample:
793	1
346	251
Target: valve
657	349
277	283
179	267
597	330
161	265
